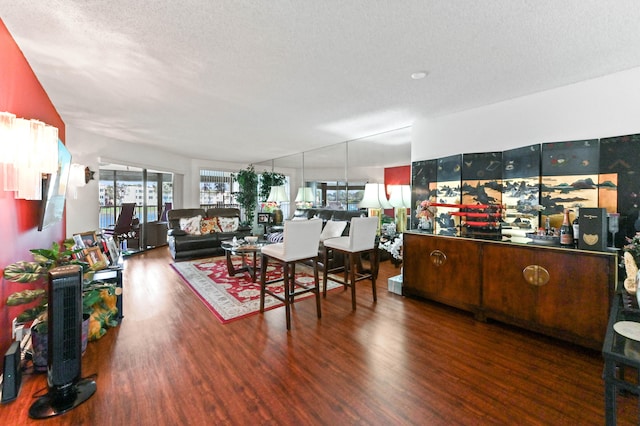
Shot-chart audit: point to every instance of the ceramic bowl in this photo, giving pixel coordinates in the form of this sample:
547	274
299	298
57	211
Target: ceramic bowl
251	239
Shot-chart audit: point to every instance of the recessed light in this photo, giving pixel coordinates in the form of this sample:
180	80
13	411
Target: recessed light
419	75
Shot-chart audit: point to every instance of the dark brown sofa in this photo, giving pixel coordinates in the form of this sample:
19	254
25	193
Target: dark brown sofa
186	246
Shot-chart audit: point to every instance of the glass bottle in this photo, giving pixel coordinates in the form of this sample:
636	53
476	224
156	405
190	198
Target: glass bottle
566	231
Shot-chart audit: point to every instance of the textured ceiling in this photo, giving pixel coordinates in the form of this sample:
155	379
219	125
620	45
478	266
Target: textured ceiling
255	80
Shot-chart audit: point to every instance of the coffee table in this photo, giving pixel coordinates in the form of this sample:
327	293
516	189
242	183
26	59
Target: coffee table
247	252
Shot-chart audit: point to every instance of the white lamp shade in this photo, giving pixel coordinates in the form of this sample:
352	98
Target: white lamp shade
406	195
278	194
382	197
304	195
374	197
370	197
395	199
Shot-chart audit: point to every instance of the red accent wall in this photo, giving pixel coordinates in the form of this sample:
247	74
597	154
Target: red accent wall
400	175
21	94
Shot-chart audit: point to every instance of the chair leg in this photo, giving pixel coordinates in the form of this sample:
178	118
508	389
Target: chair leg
287	294
263	276
352	273
317	285
325	258
374	272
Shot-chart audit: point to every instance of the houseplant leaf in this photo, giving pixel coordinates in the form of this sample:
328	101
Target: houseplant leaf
25	296
31	314
24	272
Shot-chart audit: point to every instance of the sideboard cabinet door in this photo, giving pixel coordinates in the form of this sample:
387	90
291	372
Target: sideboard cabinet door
444	269
563	293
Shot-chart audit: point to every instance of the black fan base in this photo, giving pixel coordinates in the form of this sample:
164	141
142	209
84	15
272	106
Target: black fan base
48	405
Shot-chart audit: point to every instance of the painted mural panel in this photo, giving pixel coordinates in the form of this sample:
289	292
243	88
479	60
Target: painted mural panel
449	176
569	177
521	189
423	189
619	188
481	185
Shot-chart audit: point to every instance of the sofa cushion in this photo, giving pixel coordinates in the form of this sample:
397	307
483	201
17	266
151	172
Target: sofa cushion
228	224
209	225
275	237
191	225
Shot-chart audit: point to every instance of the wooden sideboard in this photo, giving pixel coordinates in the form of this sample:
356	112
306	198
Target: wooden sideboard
563	293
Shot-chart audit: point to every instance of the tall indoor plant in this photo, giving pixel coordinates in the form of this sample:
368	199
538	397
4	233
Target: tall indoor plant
247	196
267	180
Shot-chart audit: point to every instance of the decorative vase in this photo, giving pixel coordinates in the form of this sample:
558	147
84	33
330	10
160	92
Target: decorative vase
85	331
631	269
638	292
40	350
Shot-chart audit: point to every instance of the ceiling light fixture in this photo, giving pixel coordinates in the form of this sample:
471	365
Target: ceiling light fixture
419	75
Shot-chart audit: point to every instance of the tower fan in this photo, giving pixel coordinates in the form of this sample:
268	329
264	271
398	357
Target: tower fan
66	388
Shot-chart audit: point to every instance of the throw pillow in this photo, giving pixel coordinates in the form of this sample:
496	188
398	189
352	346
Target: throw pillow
209	225
333	229
228	224
191	225
275	237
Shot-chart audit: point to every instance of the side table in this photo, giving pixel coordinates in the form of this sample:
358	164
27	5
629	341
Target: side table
620	353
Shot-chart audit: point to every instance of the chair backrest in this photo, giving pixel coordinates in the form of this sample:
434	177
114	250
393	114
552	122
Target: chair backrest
125	220
301	237
362	233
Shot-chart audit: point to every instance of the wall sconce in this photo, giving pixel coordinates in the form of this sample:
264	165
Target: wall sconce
88	174
29	149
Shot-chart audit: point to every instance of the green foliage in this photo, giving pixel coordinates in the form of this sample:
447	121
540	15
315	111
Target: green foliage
267	180
37	270
248	195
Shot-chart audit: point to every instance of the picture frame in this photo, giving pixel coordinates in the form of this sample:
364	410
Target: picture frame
264	217
114	251
88	238
79	244
95	258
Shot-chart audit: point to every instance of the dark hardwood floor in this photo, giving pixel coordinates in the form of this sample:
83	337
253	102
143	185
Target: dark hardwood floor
394	362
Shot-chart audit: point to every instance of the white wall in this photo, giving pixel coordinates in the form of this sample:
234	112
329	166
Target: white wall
90	150
602	107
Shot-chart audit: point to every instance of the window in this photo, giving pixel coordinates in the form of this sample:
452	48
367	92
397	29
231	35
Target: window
122	184
216	189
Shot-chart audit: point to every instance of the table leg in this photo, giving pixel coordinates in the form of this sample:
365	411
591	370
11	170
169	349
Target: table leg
230	268
610	393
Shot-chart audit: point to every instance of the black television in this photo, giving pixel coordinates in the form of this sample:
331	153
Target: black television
54	190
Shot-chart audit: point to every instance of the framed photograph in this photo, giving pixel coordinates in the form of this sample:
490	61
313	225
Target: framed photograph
88	238
95	258
264	217
77	239
114	252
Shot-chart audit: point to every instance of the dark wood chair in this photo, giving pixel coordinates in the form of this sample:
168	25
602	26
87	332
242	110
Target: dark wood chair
125	225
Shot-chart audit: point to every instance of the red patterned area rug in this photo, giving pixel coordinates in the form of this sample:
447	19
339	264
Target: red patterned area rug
235	297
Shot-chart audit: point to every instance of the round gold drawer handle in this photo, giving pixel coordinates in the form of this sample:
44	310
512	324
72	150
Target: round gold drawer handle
438	258
536	275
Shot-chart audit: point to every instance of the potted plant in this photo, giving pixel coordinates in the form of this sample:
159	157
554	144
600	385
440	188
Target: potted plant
248	195
36	271
267	180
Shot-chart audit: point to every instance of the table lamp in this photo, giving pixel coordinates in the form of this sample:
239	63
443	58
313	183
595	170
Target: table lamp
375	199
278	195
400	199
